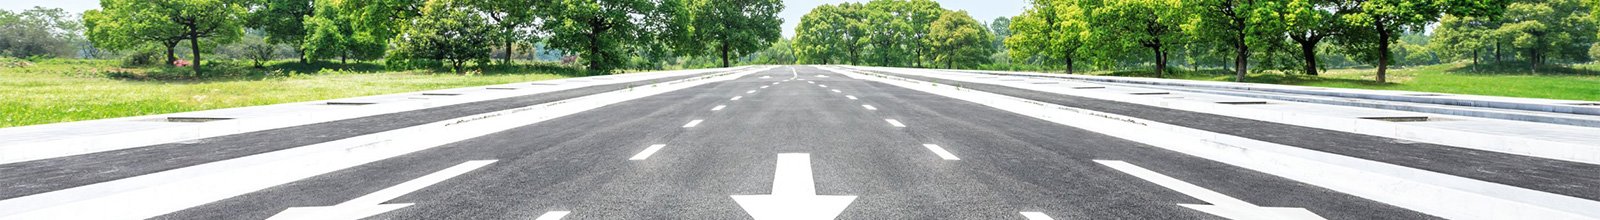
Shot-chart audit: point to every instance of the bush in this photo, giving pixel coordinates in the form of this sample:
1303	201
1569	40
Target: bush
143	58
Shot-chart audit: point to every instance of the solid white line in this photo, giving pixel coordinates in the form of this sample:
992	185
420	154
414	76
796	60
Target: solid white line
719	107
1176	185
647	152
941	152
417	184
837	91
693	123
1036	216
553	215
736	98
895	123
869	107
851	97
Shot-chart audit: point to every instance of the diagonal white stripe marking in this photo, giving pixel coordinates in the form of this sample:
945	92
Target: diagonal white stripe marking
647	152
553	215
941	152
896	123
1036	216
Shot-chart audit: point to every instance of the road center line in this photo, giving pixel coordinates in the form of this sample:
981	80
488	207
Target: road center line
693	123
647	152
1036	216
941	152
869	107
553	215
719	107
896	123
736	98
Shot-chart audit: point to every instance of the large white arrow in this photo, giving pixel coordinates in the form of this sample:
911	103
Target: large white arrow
1221	205
371	204
794	195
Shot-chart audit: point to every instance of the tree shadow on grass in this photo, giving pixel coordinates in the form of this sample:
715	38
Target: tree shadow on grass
1264	78
1519	68
226	71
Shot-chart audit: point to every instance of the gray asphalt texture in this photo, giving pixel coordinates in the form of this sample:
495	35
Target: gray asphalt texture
1574	179
1009	163
33	177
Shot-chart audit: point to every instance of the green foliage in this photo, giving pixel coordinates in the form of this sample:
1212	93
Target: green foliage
39	32
127	24
733	28
447	32
1122	28
596	30
1050	30
959	41
282	20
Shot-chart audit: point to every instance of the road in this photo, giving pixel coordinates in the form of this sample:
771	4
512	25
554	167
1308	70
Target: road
806	139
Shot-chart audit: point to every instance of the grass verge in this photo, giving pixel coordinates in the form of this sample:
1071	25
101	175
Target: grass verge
53	91
1456	78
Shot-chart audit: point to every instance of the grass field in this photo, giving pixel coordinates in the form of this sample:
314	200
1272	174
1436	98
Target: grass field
1457	78
54	91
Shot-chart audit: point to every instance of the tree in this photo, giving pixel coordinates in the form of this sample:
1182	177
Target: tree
1309	22
259	52
887	31
919	16
1001	28
38	32
1241	24
511	18
596	30
448	31
820	36
957	39
355	29
1547	29
1463	36
282	20
1121	25
1052	29
732	28
1385	20
129	23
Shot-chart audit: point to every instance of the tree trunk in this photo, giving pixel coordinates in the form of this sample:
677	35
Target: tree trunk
172	52
1069	65
724	49
194	46
1161	61
1474	60
1383	53
1241	60
509	52
1308	52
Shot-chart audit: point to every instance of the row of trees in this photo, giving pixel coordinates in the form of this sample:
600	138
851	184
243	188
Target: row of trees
1540	32
603	34
40	32
916	33
1108	32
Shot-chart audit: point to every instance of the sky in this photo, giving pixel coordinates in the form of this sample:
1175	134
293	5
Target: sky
982	10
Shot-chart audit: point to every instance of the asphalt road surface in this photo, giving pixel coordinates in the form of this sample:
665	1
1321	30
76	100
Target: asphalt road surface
812	139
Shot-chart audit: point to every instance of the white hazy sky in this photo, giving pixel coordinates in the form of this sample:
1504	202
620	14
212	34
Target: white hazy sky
982	10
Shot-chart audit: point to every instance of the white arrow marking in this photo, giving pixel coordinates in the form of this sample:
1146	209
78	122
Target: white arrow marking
736	98
1036	216
719	107
794	194
553	215
371	204
896	123
1221	205
693	123
851	97
941	152
869	107
647	152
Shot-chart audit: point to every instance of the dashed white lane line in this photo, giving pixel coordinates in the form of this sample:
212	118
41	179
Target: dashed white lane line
719	107
851	97
837	91
809	81
1036	216
736	98
693	123
647	152
896	123
869	107
751	91
941	152
823	86
775	83
764	87
553	215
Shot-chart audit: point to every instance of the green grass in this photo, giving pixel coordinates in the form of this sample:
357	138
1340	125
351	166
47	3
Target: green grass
54	91
1457	78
